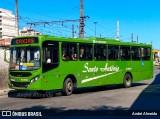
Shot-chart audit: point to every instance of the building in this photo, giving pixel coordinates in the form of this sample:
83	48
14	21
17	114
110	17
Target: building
156	56
5	42
28	32
7	24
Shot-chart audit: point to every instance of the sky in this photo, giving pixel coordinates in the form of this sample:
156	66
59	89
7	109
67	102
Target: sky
140	17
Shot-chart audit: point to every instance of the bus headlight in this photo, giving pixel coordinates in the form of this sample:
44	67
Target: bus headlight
12	79
35	79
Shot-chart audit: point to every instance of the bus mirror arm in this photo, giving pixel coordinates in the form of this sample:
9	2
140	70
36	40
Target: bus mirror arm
5	54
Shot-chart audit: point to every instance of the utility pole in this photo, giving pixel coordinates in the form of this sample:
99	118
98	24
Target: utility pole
95	27
100	35
81	21
132	37
118	36
72	30
137	39
17	25
81	24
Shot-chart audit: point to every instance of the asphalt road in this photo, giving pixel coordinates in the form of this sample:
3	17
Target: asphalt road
144	95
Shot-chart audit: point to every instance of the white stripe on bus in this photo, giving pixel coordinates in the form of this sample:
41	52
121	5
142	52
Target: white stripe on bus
97	77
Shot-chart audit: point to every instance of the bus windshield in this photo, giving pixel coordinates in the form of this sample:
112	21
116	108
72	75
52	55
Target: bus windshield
24	58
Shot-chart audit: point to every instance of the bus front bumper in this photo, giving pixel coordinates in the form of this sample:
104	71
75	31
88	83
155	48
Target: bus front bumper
25	85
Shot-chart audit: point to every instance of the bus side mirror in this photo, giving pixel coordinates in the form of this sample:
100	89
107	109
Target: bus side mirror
5	55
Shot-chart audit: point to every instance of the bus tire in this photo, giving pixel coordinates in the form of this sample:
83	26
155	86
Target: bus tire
127	81
68	87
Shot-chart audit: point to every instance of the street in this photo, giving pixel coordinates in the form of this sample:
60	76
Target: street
144	95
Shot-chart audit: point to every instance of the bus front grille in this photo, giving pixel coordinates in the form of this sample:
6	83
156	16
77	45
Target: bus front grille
20	84
20	74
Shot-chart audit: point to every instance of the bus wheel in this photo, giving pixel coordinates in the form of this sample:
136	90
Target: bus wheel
127	80
68	87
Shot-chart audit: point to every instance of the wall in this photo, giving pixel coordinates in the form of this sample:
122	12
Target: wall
3	71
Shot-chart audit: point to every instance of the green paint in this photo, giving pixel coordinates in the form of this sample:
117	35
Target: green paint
85	73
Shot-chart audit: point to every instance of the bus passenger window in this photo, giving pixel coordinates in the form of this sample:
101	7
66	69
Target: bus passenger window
64	54
74	52
100	52
81	52
136	53
113	52
88	53
145	53
69	51
85	52
125	53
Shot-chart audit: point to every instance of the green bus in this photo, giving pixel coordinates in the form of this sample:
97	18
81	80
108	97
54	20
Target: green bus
44	63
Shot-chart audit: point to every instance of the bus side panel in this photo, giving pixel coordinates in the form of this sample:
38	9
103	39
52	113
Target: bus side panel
112	75
87	71
141	70
52	80
99	73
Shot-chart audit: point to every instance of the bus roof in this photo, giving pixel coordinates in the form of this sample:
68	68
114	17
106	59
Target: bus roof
85	40
92	40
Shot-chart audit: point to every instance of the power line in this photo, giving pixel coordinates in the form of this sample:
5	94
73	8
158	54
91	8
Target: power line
52	22
44	23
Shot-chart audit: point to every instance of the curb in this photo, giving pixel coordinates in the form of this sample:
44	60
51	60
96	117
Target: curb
4	92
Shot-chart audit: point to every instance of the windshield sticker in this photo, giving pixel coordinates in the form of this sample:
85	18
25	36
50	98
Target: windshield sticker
23	67
28	64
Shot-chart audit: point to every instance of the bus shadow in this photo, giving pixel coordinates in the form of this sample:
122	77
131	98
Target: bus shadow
104	88
49	94
149	97
64	111
33	94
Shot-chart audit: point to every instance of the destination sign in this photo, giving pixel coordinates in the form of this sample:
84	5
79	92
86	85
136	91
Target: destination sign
19	41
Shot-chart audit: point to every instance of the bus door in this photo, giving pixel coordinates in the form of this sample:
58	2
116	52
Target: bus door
50	62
